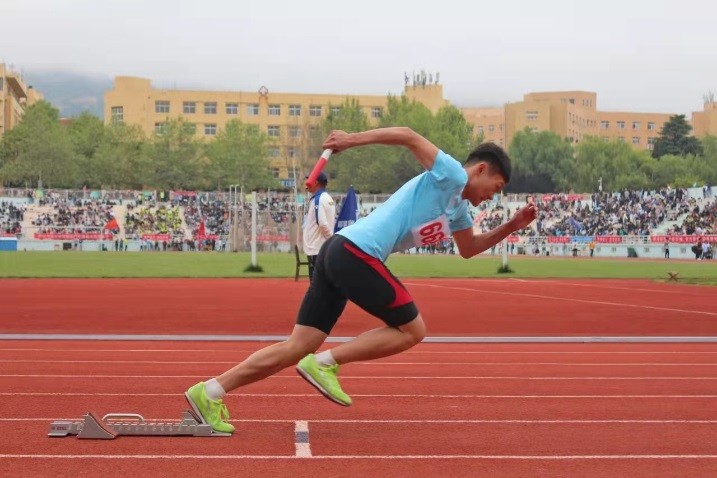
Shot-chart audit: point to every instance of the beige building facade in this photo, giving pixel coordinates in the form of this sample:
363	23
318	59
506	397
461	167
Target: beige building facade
15	97
287	118
573	115
705	122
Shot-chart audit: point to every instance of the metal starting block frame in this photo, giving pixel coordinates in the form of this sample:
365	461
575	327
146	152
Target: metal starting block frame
115	424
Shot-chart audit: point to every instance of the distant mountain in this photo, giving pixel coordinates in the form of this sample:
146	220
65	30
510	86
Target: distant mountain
72	93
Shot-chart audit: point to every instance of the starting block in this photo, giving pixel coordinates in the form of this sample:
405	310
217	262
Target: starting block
115	424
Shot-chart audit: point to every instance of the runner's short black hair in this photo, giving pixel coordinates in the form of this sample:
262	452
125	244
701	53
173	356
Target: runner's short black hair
495	156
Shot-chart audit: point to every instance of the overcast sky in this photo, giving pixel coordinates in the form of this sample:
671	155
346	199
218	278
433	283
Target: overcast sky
656	56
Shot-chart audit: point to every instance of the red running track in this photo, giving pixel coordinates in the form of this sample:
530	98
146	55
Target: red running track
638	410
451	307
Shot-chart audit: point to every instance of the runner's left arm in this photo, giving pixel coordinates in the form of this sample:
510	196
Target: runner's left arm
470	244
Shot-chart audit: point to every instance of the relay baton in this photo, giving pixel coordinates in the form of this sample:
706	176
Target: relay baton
311	180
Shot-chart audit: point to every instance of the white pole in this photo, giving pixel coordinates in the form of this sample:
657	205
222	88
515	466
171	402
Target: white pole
505	219
253	228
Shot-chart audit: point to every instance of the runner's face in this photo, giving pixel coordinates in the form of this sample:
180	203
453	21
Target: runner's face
483	183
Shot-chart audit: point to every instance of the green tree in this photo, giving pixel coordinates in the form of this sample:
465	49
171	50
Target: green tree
709	148
87	134
238	155
120	161
175	156
38	150
343	169
675	139
542	162
617	163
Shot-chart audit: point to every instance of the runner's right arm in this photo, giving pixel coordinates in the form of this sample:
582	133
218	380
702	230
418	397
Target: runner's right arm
424	151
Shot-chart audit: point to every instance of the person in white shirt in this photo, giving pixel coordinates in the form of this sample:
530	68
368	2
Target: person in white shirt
319	220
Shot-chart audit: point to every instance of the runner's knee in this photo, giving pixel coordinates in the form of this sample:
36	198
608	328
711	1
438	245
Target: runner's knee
414	331
296	350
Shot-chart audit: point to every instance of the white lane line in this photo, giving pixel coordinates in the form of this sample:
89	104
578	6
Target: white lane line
381	363
301	439
279	395
456	352
364	457
400	422
683	291
376	377
567	299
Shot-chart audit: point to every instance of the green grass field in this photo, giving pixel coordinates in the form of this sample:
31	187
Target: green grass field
207	264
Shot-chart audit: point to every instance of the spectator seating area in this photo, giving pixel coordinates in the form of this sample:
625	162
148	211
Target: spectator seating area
140	216
68	216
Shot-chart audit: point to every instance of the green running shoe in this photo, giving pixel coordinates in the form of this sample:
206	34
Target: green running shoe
213	412
323	378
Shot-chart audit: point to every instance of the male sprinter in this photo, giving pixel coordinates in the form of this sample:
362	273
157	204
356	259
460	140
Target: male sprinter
350	266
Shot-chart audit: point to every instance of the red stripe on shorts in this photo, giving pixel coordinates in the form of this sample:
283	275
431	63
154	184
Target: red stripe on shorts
402	295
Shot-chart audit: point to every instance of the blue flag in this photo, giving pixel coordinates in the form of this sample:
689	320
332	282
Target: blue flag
349	211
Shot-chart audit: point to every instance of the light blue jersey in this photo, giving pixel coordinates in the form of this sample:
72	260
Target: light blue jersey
425	210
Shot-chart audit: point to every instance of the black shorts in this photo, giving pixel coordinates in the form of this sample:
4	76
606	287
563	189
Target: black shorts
344	272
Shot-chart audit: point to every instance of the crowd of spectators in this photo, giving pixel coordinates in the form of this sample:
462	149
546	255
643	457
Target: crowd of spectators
699	221
73	216
153	220
11	217
215	214
620	214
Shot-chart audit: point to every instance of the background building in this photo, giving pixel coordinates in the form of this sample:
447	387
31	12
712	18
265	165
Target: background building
286	117
15	97
489	122
705	122
569	114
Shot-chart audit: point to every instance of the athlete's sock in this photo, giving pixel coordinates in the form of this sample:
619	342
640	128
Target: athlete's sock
325	358
214	389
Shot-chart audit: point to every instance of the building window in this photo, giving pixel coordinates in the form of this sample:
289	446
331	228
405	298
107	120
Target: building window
531	115
650	141
161	106
252	109
232	108
636	125
275	173
273	152
480	130
635	140
210	108
160	127
491	128
293	152
117	113
376	112
210	129
294	131
1	81
189	107
605	124
335	110
651	126
314	110
274	110
294	110
620	139
273	131
620	125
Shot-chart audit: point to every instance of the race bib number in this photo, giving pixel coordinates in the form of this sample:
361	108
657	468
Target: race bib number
431	232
